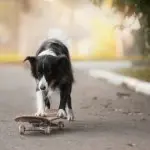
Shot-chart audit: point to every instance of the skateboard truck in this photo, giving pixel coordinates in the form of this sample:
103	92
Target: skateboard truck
47	129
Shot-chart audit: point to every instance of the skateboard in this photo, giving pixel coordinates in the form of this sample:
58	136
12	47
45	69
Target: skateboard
36	123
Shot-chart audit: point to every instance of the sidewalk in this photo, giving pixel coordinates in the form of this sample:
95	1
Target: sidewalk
117	79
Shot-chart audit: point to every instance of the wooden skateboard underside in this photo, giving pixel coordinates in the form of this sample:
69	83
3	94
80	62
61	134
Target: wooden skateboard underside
45	124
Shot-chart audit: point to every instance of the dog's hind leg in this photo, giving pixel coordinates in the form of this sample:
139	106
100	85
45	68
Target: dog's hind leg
48	99
47	103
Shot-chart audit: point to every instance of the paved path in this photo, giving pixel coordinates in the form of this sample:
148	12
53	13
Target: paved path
106	65
105	119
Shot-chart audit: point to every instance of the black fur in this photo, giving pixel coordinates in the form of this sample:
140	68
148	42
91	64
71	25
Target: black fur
57	70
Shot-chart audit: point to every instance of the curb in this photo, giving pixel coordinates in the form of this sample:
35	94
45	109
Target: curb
117	79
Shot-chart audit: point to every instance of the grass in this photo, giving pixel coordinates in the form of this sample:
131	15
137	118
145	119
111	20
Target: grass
139	73
10	58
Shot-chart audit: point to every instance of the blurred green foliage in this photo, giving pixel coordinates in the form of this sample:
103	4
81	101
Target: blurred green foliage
140	5
128	7
139	73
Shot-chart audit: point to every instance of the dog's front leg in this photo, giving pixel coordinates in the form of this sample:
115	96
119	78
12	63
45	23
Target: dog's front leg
63	100
40	103
70	114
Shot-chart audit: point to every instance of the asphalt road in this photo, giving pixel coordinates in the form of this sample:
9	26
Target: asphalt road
105	119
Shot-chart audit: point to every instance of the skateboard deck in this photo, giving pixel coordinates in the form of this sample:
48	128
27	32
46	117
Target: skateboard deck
38	123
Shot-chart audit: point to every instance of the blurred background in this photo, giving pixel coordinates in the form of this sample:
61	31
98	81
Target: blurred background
109	44
95	29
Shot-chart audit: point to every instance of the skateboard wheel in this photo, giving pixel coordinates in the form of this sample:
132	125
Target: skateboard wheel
48	130
60	125
21	129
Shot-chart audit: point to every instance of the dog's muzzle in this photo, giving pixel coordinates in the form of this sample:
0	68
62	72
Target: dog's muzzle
42	87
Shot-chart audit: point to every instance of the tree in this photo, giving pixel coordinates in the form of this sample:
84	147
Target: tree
140	5
130	7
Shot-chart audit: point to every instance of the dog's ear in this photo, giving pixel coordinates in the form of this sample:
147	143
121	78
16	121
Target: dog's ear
32	61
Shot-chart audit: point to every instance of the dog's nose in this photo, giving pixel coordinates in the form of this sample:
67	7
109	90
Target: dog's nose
42	87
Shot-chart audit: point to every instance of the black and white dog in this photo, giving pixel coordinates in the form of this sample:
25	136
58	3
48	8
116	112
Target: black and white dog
52	69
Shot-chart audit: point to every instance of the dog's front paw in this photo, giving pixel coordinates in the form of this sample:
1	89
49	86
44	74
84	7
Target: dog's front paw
61	113
41	114
47	109
70	115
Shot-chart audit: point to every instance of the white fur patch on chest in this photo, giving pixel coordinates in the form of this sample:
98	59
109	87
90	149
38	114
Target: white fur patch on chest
47	52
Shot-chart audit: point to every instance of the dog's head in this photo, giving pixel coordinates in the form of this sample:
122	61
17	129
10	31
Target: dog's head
46	69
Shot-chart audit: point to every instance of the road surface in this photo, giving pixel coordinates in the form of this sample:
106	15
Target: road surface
107	117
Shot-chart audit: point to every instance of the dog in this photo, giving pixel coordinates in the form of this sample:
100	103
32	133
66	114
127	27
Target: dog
52	69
